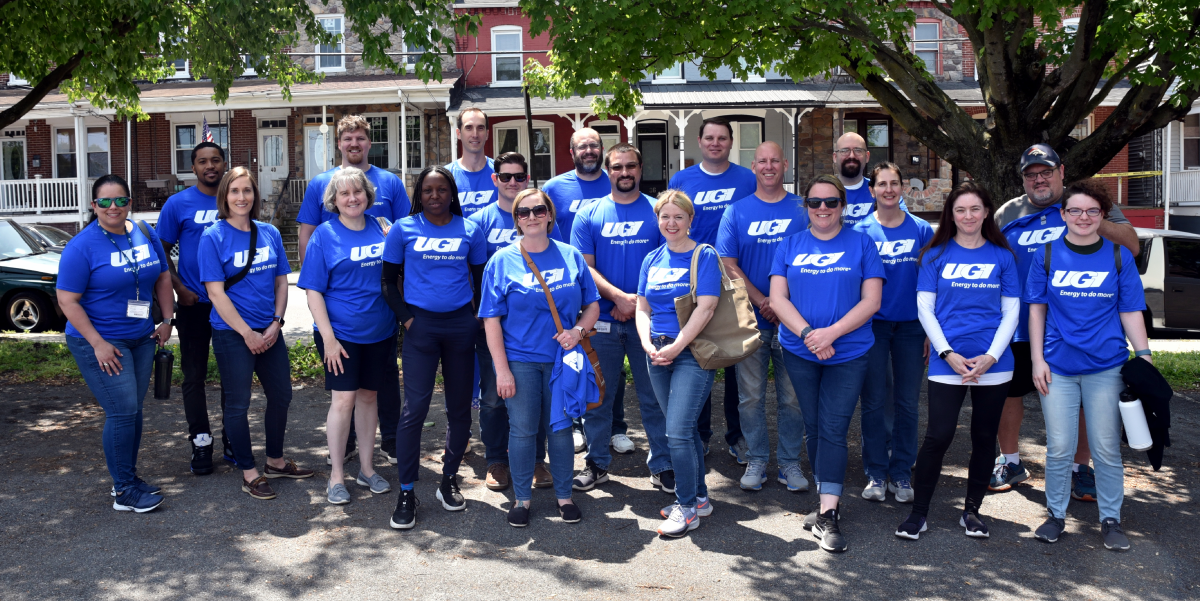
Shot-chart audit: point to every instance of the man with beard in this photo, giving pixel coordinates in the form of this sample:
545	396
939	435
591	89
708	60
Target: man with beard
851	157
182	220
473	172
615	234
1029	222
391	203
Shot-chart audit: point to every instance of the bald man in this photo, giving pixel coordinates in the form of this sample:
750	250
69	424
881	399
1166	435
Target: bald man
574	190
850	160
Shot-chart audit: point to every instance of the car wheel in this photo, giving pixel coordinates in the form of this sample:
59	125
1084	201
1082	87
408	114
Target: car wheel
28	312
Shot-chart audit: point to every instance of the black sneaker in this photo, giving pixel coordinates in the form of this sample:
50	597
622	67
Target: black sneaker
1114	537
202	464
1050	530
405	516
227	453
570	513
389	451
974	527
827	530
664	480
449	494
590	477
518	516
912	527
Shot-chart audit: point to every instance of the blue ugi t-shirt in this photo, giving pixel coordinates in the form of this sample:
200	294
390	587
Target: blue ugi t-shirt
750	232
619	236
497	228
898	249
711	195
969	283
512	293
1026	237
475	188
437	260
571	194
824	283
102	270
346	267
391	199
182	221
665	275
224	251
1085	297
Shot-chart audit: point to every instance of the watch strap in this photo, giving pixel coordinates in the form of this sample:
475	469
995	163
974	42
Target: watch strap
1142	353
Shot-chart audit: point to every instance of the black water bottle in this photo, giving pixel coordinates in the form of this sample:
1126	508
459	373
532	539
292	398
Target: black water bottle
164	360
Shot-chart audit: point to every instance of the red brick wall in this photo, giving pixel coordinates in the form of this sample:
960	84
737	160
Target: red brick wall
478	68
1118	164
152	147
38	141
243	140
562	138
116	148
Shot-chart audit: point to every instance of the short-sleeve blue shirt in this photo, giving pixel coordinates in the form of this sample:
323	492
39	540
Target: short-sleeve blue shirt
346	267
104	274
497	228
224	250
665	275
437	260
750	232
1026	237
182	221
711	195
571	194
476	190
619	236
898	249
391	199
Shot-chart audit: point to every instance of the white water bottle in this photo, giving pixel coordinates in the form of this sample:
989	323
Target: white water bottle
1134	418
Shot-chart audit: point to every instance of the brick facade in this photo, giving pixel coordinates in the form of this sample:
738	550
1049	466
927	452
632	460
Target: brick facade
39	141
478	68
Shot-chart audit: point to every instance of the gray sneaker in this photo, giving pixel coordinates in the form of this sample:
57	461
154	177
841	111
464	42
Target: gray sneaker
792	476
902	489
876	490
756	474
376	483
1114	537
740	452
1051	529
337	494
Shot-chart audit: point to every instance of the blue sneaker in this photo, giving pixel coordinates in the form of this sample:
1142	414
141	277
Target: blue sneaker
1007	475
740	451
1083	484
141	485
227	454
133	499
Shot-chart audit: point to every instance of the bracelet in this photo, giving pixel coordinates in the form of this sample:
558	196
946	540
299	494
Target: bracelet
1142	353
805	332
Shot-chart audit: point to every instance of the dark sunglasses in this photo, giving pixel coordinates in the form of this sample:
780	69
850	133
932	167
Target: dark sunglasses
104	203
538	211
815	203
504	177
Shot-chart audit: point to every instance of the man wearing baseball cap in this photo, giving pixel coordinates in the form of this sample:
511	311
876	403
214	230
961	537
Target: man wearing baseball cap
1029	222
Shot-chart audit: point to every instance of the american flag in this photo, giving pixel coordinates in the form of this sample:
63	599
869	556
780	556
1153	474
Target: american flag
206	134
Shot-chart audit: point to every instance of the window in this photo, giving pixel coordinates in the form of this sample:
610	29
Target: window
181	69
672	74
747	138
273	124
1083	129
318	150
752	77
330	58
14	80
378	155
610	133
416	159
1191	141
541	160
188	136
410	60
876	130
1183	258
927	51
12	159
248	69
506	68
66	152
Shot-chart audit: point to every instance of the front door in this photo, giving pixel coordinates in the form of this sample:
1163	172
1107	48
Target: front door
12	159
652	142
272	159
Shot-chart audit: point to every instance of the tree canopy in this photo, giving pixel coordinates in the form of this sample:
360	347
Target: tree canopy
1037	78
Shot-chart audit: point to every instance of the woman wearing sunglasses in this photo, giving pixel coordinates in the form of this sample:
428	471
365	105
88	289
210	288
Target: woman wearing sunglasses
968	302
107	278
525	344
1080	313
680	384
432	270
355	329
246	319
826	283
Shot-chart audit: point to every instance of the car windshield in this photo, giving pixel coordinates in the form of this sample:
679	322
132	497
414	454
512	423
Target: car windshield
53	235
13	244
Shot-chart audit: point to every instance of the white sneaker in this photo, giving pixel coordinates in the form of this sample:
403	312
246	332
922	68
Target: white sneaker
679	523
621	444
792	476
903	491
579	440
876	490
755	476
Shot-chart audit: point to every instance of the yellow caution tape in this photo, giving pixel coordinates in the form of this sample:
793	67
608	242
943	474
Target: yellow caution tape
1130	174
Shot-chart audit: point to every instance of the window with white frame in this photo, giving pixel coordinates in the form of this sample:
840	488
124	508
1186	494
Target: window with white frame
672	74
248	66
379	155
188	136
506	68
752	77
1191	141
746	138
1082	129
181	69
410	60
610	132
66	152
515	139
416	158
14	80
925	45
330	57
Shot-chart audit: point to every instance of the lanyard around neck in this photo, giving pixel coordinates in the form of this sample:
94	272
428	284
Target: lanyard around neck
137	284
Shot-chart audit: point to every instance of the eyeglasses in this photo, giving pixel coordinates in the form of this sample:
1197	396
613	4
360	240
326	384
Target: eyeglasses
538	211
1075	212
104	203
504	177
830	203
858	152
1045	174
626	167
588	147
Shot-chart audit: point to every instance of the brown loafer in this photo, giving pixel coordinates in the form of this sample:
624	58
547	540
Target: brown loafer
291	470
497	477
542	477
259	488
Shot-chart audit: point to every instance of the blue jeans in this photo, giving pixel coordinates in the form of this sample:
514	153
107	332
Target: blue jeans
899	347
827	395
1098	394
238	366
612	348
121	398
528	416
493	412
682	388
752	405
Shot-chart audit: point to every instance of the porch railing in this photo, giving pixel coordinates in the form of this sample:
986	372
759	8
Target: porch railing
1185	186
59	195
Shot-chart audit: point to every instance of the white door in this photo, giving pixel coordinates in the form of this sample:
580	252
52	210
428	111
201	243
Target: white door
12	159
272	159
318	151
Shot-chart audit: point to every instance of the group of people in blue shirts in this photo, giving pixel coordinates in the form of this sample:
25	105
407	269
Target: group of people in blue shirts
487	275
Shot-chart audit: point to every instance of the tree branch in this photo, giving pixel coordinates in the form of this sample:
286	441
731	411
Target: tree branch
43	87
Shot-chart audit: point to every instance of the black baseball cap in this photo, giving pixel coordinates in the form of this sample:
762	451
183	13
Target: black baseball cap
1039	154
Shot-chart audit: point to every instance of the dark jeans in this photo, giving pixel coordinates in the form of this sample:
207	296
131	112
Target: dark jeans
945	402
733	419
827	395
493	411
448	338
238	367
121	398
195	333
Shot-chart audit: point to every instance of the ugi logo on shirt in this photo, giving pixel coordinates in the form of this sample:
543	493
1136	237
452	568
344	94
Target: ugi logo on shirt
499	236
895	248
712	196
769	228
442	245
970	271
857	210
139	253
260	255
550	275
621	229
662	275
482	197
371	251
206	216
816	260
1042	236
574	360
1078	279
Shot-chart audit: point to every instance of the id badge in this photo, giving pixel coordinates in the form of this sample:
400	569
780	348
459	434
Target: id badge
603	327
138	309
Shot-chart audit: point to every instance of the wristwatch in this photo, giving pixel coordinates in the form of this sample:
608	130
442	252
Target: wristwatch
279	319
805	332
943	354
169	321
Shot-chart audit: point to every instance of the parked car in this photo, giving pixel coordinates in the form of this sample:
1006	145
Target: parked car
52	238
27	279
1169	264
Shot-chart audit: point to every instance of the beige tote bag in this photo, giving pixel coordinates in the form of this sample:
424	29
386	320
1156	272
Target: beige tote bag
732	333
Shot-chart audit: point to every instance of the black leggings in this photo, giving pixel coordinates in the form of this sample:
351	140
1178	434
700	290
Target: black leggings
945	403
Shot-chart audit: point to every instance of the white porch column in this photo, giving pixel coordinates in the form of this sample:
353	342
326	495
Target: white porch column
576	119
129	151
81	169
1166	175
794	122
681	121
453	137
630	127
403	139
